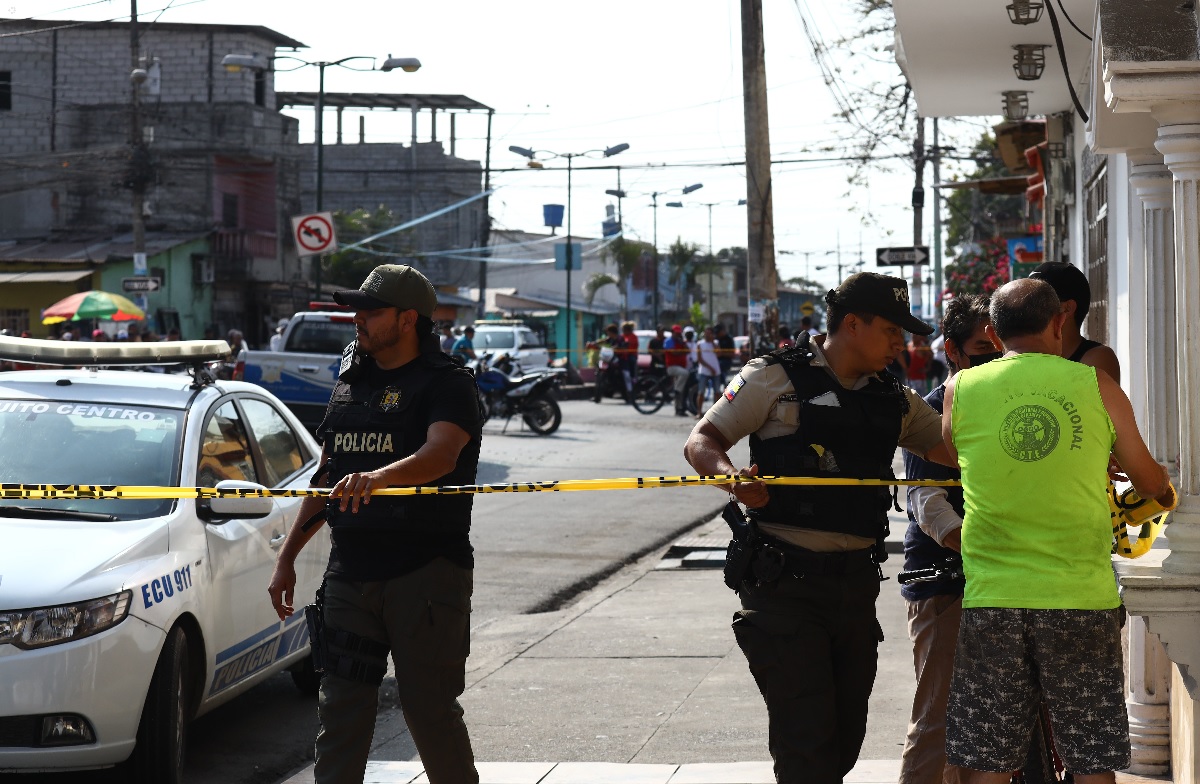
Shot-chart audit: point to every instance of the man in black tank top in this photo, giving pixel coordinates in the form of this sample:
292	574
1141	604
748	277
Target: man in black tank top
1073	290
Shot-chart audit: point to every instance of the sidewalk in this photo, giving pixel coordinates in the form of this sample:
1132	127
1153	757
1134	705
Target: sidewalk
640	682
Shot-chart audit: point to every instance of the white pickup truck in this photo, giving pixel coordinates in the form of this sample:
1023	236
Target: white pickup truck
304	372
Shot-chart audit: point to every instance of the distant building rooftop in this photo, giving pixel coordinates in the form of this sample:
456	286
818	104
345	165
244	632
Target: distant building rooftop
50	25
383	101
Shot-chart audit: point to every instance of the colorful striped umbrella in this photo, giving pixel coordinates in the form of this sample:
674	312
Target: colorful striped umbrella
85	305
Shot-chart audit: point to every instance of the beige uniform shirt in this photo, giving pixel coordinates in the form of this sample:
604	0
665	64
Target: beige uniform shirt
762	400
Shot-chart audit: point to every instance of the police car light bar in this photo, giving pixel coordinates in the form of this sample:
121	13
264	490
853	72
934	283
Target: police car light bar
70	353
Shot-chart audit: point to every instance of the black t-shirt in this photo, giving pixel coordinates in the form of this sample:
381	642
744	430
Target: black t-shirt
725	355
655	347
364	554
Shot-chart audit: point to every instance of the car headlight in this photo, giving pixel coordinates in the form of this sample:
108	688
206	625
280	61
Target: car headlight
44	626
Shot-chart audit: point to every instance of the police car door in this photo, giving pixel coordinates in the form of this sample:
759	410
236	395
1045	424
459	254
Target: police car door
242	630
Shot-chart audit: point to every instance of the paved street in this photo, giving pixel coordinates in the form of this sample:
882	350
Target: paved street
533	553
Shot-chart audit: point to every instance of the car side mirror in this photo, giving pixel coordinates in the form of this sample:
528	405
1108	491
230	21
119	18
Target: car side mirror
222	510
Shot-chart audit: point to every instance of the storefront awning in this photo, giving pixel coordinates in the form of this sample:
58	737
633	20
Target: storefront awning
57	276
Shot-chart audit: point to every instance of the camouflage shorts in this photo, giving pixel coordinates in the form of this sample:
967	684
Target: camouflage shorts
1009	660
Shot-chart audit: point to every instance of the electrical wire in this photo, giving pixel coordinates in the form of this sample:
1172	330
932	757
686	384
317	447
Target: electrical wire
1062	57
1072	21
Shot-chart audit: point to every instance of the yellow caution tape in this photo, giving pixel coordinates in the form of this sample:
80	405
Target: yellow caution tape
141	492
1129	508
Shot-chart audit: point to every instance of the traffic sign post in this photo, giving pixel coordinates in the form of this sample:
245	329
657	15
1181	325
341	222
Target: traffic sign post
314	234
899	257
141	284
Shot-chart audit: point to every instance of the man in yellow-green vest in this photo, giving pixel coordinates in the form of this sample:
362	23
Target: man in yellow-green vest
1041	618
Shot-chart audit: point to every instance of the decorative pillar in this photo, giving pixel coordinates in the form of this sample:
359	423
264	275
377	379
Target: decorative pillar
1148	674
1179	143
1147	699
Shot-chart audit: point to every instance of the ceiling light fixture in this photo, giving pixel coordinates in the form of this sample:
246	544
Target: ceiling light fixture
1029	61
1016	105
1024	12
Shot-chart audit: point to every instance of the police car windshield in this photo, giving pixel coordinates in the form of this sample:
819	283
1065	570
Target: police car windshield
68	443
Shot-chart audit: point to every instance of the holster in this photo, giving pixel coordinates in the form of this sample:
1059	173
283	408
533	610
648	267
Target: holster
746	541
314	618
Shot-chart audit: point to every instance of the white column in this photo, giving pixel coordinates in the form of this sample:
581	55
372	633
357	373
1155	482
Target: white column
1147	700
1148	674
1151	179
1179	143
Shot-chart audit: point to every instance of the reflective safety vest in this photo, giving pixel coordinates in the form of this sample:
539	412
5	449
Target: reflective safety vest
842	433
367	427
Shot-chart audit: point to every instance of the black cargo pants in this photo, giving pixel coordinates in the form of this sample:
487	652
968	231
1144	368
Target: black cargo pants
812	645
423	618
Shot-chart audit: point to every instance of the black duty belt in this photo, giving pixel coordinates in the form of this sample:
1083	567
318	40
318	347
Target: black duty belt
800	562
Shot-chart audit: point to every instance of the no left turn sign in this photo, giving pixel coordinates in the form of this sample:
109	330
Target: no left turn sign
314	233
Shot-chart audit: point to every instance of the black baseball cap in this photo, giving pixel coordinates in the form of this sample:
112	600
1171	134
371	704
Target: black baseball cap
391	286
879	295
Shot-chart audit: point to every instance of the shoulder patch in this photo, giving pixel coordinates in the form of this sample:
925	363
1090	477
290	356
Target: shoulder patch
734	387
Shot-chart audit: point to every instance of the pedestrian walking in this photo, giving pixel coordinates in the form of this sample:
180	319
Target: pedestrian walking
1040	619
822	408
708	370
933	541
675	356
400	571
725	351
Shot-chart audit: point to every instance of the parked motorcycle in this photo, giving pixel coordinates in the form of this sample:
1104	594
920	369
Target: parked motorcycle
610	381
529	395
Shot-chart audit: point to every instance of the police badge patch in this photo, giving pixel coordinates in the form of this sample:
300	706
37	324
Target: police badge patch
389	400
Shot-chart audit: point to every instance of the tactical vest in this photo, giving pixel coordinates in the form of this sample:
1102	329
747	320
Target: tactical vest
842	434
367	427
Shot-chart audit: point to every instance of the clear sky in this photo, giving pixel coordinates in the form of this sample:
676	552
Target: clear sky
569	76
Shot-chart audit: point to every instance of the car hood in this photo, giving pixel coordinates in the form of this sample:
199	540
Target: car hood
48	562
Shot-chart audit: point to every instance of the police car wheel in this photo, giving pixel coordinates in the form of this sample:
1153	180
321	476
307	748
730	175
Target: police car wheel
542	415
158	756
306	678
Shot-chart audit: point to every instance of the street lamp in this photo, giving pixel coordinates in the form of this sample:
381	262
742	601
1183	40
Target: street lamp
236	62
685	190
1029	61
711	256
531	154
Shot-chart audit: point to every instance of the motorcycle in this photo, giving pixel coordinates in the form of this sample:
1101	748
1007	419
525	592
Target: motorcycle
610	381
529	395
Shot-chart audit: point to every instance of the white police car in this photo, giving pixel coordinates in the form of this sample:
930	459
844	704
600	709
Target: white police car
121	620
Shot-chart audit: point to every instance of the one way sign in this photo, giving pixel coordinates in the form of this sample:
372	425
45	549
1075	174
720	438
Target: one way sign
897	257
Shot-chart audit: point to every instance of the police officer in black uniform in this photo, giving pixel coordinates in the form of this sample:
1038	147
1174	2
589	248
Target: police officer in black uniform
821	408
400	570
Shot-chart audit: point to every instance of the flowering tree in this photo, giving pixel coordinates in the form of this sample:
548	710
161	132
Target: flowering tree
981	268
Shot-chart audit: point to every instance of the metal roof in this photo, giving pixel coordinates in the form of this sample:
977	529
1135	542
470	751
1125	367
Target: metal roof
275	37
83	248
382	101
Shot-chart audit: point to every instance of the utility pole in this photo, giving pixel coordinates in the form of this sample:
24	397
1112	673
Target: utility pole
139	157
937	227
761	284
486	225
918	204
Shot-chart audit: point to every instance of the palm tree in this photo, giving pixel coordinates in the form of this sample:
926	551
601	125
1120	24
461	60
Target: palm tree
680	258
627	255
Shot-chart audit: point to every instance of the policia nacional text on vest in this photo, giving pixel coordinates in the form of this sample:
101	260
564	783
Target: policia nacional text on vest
856	438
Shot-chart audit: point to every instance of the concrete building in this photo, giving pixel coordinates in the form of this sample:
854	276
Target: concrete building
410	180
221	159
1117	178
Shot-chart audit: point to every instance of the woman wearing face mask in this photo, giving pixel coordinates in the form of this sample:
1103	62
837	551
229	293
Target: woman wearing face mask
935	521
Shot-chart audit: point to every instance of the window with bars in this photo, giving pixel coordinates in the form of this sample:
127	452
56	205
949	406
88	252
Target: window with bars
1096	205
14	320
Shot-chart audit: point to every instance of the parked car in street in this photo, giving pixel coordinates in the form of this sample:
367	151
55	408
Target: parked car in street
121	620
513	338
